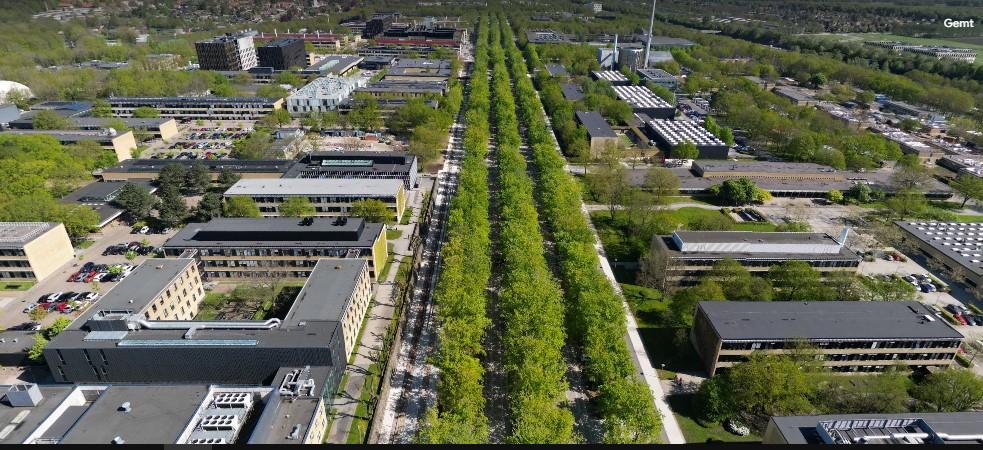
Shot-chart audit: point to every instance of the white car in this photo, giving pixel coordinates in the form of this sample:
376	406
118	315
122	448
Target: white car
90	296
54	296
144	230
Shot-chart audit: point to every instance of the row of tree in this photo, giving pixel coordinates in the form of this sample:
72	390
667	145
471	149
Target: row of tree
596	316
460	295
531	299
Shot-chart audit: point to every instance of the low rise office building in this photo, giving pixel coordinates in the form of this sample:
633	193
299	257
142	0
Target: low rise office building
410	69
643	100
282	247
403	89
323	94
193	108
358	166
101	196
32	251
614	77
329	197
685	256
659	77
115	341
892	429
149	169
670	133
121	144
848	336
599	132
957	246
337	65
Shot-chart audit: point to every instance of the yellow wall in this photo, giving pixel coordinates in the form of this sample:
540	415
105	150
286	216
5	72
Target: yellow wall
49	252
380	252
124	145
168	130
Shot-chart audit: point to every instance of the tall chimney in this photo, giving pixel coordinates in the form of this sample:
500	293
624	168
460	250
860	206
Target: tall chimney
615	50
648	45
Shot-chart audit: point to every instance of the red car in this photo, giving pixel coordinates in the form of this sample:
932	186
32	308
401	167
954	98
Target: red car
91	276
961	319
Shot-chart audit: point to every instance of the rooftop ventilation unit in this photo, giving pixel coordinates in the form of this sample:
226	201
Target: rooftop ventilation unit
220	422
207	441
118	440
125	407
297	382
233	400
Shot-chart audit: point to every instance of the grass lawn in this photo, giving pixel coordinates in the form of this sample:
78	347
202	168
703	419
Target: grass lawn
360	424
697	433
392	235
385	268
968	218
85	244
646	304
407	215
16	286
954	42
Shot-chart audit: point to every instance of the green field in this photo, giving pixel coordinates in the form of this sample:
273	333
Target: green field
956	42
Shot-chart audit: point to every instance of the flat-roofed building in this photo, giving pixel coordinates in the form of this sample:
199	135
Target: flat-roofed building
328	196
571	92
687	255
376	62
766	170
161	128
894	429
357	165
614	77
280	247
295	413
338	65
796	96
659	77
323	94
149	169
670	133
957	246
100	196
415	69
851	336
122	144
405	89
192	108
282	54
31	251
114	343
598	131
643	100
547	36
557	70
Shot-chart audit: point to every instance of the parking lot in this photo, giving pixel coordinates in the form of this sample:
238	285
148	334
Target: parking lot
14	304
200	140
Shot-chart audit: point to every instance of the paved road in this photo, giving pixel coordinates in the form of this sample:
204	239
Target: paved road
373	333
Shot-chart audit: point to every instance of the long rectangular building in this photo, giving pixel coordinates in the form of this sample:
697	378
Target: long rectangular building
849	336
670	133
149	169
281	247
643	100
328	196
192	108
31	251
357	165
958	246
687	255
403	88
892	429
121	144
614	77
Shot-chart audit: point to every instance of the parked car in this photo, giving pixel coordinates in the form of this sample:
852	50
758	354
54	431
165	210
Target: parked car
90	296
54	296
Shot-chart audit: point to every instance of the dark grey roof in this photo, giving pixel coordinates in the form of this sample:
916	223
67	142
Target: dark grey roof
596	126
655	74
794	93
756	237
140	101
335	64
213	165
277	232
421	63
346	163
962	242
8	113
68	135
327	291
785	167
132	122
53	395
802	429
825	320
396	86
158	415
138	289
571	91
282	413
557	70
282	42
100	194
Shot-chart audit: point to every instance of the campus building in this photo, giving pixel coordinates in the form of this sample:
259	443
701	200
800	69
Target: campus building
643	100
614	77
892	429
121	144
282	54
328	196
403	89
323	94
31	251
149	169
161	128
193	108
659	77
100	196
409	69
282	247
848	336
957	246
116	342
357	165
227	52
688	255
598	131
670	133
337	65
321	41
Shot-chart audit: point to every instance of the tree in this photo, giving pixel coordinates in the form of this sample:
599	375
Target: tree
794	227
241	207
685	150
171	210
197	179
909	173
226	178
950	390
136	200
768	385
365	113
861	192
37	313
682	305
969	186
271	91
209	207
288	77
741	191
101	108
372	210
909	124
662	183
253	146
834	196
57	327
797	281
275	119
818	80
608	182
47	119
907	203
36	352
146	112
297	207
427	141
172	176
630	412
864	97
737	283
884	393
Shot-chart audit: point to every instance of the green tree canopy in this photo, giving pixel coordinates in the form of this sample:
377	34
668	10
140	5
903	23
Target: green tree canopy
136	200
372	210
950	390
47	119
297	207
969	186
241	207
146	112
685	150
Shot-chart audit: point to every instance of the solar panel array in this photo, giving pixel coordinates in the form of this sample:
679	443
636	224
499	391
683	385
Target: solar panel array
964	239
677	132
640	97
610	76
